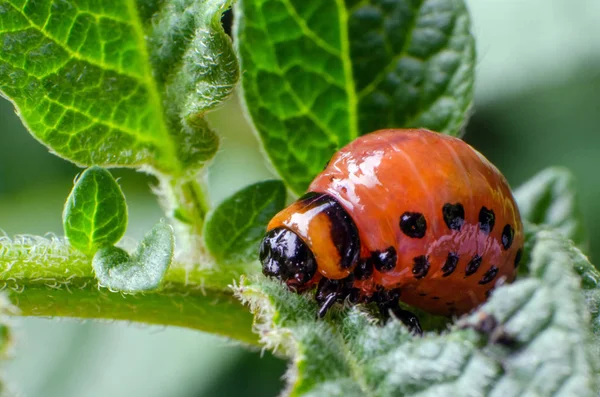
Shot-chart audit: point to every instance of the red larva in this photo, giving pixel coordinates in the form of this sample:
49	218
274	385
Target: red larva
400	214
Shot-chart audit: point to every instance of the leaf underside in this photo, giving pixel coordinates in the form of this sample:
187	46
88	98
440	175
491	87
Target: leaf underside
317	74
118	83
144	269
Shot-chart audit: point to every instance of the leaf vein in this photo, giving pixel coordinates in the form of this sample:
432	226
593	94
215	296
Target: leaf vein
403	51
76	54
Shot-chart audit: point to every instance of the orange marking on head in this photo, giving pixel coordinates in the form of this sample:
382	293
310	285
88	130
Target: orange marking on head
327	255
313	226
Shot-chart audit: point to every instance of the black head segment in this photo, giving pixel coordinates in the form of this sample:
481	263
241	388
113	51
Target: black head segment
286	257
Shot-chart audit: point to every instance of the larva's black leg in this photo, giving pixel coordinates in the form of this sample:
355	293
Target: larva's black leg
331	291
488	325
327	303
409	319
387	301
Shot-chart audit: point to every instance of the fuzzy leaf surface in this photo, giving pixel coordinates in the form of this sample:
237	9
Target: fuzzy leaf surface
118	83
144	270
233	231
550	198
531	338
317	74
95	213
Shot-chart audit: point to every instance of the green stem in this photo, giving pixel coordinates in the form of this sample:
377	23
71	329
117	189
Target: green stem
49	278
190	204
192	193
186	203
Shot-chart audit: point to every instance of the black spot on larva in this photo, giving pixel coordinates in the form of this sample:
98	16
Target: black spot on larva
385	261
420	266
518	257
454	215
413	224
486	220
364	269
436	298
508	233
451	303
473	265
489	275
422	294
450	265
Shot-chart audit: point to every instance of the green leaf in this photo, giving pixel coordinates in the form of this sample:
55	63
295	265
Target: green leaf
95	213
549	199
117	83
590	283
531	338
317	74
233	231
142	271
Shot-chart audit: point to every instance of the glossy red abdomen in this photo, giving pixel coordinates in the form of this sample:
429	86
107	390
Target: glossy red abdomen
442	212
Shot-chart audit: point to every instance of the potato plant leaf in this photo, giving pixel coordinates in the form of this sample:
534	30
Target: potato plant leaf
233	230
118	83
95	213
531	338
549	198
317	74
143	271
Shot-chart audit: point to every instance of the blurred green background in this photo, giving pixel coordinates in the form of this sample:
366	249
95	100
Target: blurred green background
537	104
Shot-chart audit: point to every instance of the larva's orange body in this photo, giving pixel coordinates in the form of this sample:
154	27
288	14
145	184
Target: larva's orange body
435	221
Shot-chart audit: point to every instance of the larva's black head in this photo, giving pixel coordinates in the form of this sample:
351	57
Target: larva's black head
313	234
285	256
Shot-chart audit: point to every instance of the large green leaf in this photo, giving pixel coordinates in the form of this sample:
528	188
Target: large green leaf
531	338
95	213
317	74
115	82
233	230
550	199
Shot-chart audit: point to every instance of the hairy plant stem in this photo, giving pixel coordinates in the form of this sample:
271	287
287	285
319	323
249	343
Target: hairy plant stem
186	203
47	277
194	199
